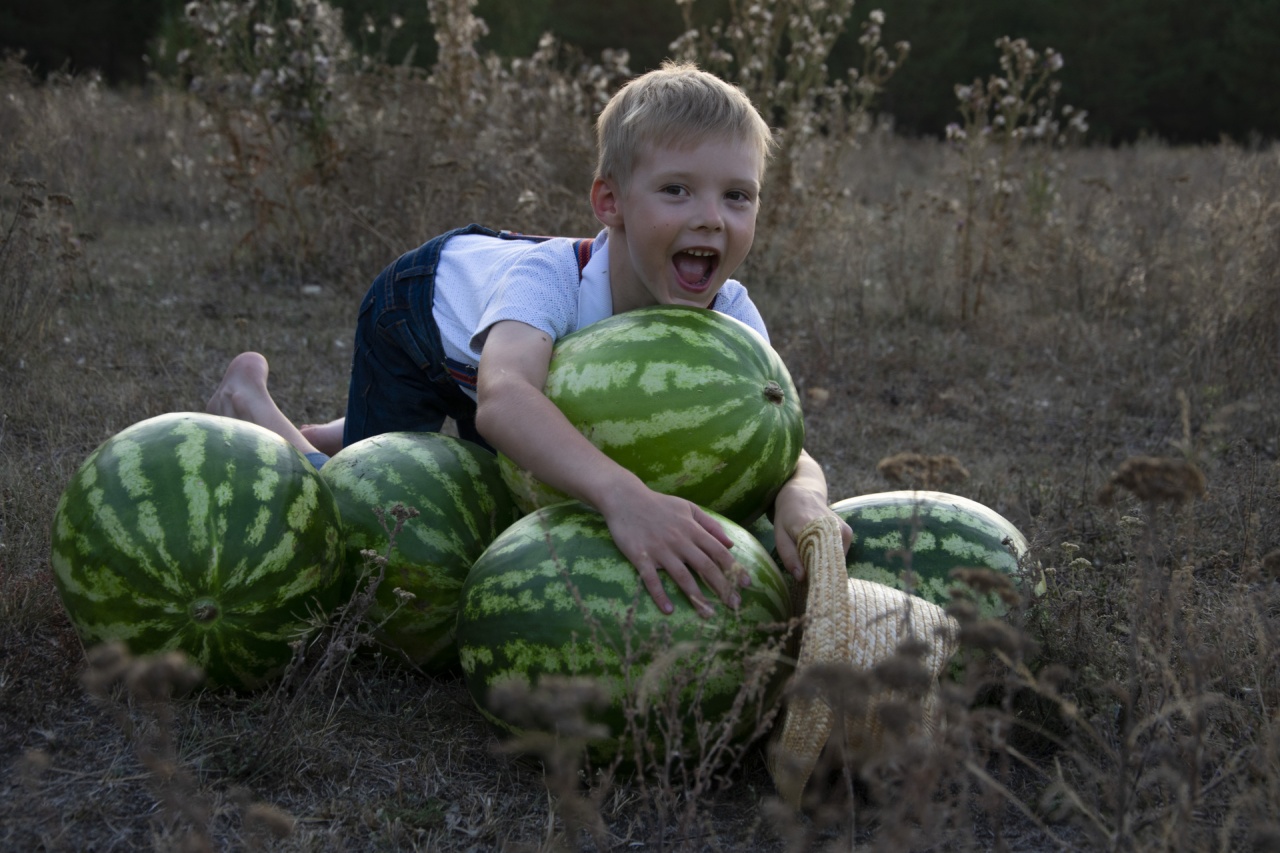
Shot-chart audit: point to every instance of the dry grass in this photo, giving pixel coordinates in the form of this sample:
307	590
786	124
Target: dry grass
1130	309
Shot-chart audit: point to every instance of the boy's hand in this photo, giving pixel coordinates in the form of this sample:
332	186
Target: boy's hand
655	532
658	532
802	499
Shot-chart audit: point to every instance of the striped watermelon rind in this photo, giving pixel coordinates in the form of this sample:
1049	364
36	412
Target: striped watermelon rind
553	596
462	506
939	531
694	402
198	533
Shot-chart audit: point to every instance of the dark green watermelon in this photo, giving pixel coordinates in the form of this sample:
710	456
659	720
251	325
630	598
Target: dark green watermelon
932	533
199	533
553	596
462	506
693	402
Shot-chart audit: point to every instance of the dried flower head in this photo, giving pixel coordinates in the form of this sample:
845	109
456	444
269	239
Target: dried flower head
1155	479
838	684
557	704
991	635
922	472
898	717
1271	564
32	765
963	610
985	581
266	818
107	665
159	678
904	672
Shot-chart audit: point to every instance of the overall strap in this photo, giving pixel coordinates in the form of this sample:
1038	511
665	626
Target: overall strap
582	248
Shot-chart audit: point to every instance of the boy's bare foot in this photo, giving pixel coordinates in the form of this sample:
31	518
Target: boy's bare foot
243	394
327	438
243	388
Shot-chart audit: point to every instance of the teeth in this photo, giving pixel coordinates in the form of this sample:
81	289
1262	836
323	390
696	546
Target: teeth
700	253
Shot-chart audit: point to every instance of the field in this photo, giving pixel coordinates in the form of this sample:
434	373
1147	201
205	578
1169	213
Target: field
1092	334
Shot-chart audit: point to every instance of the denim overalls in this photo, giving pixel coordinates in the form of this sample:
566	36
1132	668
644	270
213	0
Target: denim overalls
400	378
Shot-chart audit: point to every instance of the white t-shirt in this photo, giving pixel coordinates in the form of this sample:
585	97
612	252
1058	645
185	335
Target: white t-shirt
481	280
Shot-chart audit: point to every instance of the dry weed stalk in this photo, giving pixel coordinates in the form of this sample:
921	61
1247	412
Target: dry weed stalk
271	77
305	126
38	252
1233	276
1148	737
323	653
152	684
1001	118
680	780
557	731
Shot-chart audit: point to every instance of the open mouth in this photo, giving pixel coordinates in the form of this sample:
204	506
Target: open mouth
694	267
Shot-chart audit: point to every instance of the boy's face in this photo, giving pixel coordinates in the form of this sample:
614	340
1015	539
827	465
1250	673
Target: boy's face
687	219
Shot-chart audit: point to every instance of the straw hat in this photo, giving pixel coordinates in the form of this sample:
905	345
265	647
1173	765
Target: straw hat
861	624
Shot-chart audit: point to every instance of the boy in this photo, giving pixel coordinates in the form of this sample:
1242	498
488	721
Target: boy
464	325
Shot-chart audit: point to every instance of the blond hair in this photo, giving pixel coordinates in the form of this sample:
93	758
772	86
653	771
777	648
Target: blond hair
678	104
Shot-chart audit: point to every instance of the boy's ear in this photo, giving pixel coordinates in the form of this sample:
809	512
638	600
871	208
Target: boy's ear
606	201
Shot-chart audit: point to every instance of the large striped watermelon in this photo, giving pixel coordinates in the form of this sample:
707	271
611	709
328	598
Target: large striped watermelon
553	596
929	532
462	504
692	401
199	533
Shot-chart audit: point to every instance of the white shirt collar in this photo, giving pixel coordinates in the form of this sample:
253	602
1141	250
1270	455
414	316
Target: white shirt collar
595	300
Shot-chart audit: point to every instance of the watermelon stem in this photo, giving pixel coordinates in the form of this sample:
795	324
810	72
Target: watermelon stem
205	611
773	392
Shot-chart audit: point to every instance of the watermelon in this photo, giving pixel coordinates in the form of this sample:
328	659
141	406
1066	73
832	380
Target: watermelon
553	596
943	532
462	504
694	402
198	533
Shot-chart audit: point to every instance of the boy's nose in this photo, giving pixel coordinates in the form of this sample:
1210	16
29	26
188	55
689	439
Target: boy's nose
709	216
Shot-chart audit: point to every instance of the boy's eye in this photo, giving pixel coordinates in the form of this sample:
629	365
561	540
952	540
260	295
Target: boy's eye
673	189
737	195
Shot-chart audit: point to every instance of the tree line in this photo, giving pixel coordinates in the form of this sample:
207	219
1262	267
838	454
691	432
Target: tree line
1187	71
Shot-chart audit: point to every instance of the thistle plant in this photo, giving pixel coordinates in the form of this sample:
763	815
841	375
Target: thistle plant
459	65
279	62
305	124
480	93
269	72
1001	118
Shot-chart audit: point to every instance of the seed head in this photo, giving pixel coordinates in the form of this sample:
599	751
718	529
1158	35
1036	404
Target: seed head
922	472
1155	480
991	635
269	819
1271	564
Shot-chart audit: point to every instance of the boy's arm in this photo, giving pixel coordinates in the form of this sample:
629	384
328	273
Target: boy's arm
655	532
802	499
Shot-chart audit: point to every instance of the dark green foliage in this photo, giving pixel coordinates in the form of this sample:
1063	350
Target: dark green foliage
107	35
1184	70
369	24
